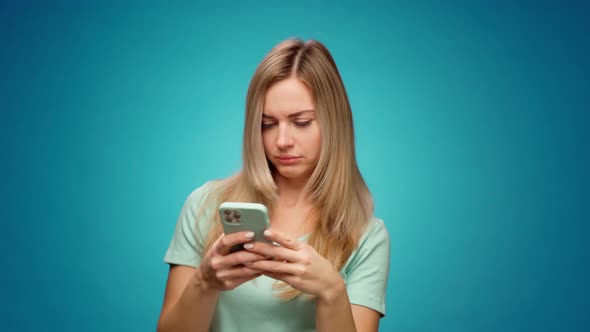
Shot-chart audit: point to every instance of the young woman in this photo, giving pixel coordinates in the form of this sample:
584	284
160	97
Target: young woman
330	270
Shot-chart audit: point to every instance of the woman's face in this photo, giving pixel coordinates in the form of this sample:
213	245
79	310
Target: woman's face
290	130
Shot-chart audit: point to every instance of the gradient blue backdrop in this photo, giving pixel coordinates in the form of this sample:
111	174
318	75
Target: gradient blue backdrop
471	122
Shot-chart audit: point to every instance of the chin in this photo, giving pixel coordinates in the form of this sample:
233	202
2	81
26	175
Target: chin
293	174
289	172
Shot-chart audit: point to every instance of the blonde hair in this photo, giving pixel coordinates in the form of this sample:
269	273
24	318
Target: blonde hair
343	203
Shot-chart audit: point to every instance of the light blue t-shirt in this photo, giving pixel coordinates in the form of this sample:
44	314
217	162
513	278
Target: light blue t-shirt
252	306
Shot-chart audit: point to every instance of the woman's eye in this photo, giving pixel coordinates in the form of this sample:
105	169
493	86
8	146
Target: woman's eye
302	123
266	125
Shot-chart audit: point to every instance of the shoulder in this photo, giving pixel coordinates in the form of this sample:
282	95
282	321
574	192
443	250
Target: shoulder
367	270
191	228
200	203
200	194
374	245
376	231
202	198
209	192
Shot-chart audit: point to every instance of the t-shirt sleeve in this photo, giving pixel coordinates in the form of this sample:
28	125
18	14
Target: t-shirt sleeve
368	268
189	235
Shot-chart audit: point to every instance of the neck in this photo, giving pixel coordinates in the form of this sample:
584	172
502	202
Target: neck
291	193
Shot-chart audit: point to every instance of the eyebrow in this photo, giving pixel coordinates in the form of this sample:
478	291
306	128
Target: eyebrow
292	115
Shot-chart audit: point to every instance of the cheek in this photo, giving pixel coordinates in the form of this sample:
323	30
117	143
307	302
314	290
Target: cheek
266	142
316	141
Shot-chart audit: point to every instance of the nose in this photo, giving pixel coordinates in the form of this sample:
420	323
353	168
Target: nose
284	138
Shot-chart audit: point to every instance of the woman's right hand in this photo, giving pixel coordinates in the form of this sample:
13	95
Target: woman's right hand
222	270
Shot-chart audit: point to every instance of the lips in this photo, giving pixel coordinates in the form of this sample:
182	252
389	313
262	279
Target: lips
288	159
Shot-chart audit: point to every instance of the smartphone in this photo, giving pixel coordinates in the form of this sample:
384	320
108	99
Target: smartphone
239	217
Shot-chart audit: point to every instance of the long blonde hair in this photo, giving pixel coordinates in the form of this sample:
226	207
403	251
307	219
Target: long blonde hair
343	203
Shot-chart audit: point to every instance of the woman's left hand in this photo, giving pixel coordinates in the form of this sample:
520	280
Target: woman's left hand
297	264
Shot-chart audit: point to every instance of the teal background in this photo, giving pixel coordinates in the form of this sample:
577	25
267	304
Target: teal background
471	121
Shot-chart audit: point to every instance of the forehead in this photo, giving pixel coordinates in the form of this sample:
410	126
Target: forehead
286	97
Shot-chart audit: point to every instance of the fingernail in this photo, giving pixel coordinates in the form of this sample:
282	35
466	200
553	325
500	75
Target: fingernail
248	245
250	235
247	263
267	233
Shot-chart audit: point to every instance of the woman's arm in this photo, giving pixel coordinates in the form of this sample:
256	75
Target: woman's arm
192	293
365	319
188	302
333	311
300	266
335	303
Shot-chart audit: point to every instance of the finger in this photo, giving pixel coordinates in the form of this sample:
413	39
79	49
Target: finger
237	258
283	239
277	267
287	278
274	275
237	273
237	282
269	250
226	241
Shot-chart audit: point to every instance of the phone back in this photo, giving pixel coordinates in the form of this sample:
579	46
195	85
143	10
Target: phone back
239	217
